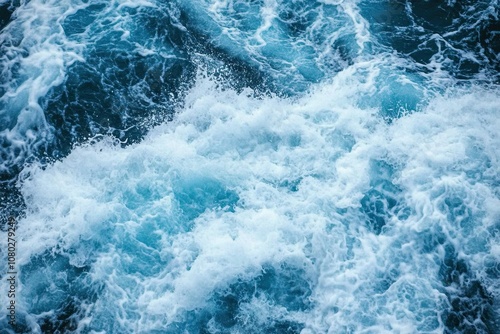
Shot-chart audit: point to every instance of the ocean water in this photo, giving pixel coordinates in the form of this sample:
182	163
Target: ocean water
237	166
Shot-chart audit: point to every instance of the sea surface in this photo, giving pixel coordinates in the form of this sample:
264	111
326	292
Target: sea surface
251	166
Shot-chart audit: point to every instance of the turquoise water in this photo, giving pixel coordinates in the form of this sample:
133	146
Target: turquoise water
251	166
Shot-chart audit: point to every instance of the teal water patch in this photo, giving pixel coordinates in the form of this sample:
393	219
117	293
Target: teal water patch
133	77
61	290
6	10
456	37
399	93
293	44
279	290
195	195
384	199
470	304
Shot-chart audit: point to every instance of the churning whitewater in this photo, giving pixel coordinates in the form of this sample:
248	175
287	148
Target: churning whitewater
236	166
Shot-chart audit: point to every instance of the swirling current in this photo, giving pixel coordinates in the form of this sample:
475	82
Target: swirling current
250	166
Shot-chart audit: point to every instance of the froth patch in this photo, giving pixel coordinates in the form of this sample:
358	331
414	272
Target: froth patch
236	186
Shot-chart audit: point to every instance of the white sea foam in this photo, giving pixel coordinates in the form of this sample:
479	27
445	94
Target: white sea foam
237	184
313	211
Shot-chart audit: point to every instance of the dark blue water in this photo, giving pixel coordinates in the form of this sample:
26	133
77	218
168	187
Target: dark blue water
251	166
